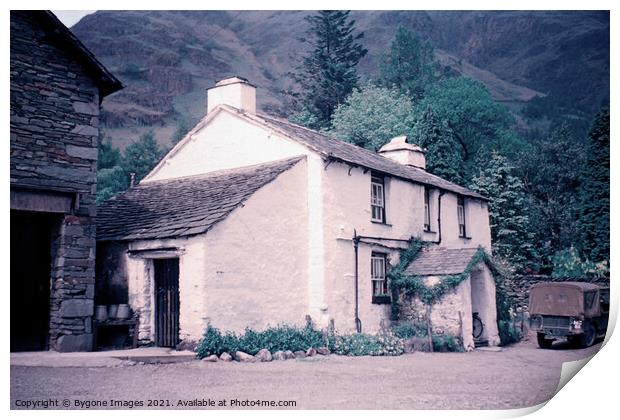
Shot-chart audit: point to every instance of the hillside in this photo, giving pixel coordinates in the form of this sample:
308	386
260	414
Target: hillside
167	59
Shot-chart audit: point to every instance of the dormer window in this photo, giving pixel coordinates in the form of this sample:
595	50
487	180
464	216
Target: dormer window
427	210
460	209
377	198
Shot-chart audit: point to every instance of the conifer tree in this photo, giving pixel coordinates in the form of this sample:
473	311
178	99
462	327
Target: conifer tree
327	74
409	66
594	192
443	156
141	156
511	234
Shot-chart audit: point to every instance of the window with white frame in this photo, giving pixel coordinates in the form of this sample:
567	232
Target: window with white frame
427	210
460	209
377	198
378	274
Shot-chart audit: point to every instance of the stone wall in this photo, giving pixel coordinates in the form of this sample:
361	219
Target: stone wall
54	129
517	288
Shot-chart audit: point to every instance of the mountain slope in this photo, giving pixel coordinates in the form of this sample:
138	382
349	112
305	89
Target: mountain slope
167	58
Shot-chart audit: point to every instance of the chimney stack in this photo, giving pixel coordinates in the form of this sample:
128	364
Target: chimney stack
234	91
404	153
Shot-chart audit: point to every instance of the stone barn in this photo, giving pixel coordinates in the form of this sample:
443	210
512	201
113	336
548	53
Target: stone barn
252	221
56	89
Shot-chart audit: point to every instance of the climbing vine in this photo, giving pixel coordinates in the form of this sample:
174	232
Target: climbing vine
415	285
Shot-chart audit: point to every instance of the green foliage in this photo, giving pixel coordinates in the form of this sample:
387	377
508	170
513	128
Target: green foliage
551	174
327	73
372	116
111	181
141	156
511	232
410	329
359	344
281	337
508	334
568	263
444	154
593	203
478	123
409	66
446	343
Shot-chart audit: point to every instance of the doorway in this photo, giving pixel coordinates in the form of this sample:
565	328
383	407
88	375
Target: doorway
31	257
166	276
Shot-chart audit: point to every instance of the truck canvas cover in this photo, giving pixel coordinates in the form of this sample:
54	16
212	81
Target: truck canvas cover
565	299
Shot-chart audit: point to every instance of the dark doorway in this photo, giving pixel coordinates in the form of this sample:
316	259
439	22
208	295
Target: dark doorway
31	242
166	301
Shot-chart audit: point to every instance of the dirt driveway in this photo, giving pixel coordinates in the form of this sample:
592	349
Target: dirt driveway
519	376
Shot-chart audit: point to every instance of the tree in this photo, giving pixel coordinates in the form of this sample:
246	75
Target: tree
111	177
550	170
479	123
141	156
107	155
511	233
444	155
593	210
327	73
409	66
372	116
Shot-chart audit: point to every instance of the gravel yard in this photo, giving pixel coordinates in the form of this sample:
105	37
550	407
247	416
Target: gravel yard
519	376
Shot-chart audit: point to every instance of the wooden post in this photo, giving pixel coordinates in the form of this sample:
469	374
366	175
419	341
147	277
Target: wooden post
429	330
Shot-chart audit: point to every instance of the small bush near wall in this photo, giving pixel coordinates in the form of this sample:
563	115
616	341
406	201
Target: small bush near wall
410	329
447	342
359	344
281	337
508	334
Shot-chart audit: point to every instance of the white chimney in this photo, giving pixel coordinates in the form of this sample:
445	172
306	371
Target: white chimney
234	91
404	153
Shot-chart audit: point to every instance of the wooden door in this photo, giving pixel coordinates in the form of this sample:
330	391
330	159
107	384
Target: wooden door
166	302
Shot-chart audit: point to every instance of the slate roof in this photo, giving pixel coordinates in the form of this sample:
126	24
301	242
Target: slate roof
182	206
349	153
106	81
440	261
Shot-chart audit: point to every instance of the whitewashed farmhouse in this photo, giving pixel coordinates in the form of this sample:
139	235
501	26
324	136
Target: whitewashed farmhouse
252	221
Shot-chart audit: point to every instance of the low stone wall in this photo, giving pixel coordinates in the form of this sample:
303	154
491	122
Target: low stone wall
518	287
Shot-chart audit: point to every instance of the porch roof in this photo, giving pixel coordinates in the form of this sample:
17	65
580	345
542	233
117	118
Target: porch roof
441	261
182	206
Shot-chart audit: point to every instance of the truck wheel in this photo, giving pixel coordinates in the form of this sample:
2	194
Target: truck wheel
588	336
544	343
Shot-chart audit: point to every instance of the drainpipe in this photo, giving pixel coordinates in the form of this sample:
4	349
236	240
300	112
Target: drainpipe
358	321
441	193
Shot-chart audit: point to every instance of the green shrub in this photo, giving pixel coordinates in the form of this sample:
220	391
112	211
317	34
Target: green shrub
410	329
281	337
359	344
446	343
508	334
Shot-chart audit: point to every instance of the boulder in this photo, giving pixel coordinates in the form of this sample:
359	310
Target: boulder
279	355
324	351
244	357
310	352
264	355
289	354
300	354
212	358
225	357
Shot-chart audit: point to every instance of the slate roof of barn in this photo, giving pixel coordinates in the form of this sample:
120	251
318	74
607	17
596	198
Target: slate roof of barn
183	206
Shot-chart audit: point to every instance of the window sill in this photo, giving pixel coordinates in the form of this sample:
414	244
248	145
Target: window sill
467	238
381	300
376	222
429	231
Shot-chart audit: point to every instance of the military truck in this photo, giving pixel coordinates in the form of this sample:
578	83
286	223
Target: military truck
573	311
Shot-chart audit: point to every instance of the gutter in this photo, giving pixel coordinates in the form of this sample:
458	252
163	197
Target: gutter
358	321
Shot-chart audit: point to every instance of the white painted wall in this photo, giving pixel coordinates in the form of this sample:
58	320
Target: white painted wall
227	141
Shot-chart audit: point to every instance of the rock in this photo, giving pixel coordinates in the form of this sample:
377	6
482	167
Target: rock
310	352
212	358
244	357
289	354
264	355
78	342
300	354
324	351
225	357
279	355
74	308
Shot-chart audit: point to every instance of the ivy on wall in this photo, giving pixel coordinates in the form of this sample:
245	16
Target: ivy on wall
410	286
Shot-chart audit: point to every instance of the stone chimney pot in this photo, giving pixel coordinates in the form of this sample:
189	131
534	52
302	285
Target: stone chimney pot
404	153
234	91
